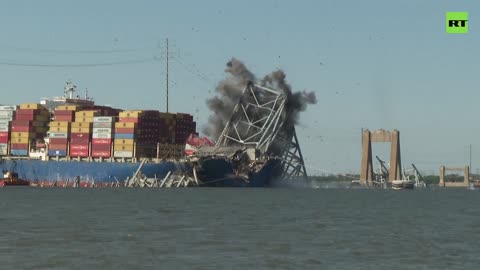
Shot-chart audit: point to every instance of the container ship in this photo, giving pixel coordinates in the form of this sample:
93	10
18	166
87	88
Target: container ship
71	137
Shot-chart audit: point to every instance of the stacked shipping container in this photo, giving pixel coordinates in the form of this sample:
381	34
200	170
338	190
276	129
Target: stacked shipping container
166	128
59	137
184	126
126	131
91	132
147	134
102	136
28	128
81	133
138	132
7	113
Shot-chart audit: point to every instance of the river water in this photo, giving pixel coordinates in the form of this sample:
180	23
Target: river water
264	228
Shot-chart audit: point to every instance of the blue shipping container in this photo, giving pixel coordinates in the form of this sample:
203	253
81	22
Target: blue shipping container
57	153
124	136
16	152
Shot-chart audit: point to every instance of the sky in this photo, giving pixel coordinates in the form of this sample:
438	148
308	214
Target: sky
372	64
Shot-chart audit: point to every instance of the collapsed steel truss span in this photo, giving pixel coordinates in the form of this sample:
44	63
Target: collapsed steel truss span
292	158
259	121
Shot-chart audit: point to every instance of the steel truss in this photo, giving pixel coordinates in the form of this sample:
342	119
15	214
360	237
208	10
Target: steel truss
258	120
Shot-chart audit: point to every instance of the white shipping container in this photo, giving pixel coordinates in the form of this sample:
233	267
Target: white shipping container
7	113
101	135
6	118
3	148
102	130
103	119
124	154
60	135
103	125
8	108
4	129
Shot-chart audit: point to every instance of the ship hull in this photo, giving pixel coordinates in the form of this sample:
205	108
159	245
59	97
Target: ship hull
217	173
221	173
99	172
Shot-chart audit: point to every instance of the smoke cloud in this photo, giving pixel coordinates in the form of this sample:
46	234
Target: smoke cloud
230	90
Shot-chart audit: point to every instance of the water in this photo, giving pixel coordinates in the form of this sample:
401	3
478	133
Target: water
238	229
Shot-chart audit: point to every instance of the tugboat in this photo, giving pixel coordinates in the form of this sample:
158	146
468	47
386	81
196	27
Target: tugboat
11	179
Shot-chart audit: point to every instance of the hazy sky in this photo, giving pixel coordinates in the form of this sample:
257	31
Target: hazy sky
373	64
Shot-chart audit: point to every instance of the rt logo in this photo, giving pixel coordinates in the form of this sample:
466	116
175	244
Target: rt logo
457	22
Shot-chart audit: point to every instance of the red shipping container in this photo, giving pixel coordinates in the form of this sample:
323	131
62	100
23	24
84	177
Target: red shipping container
64	113
23	129
20	123
79	147
79	140
125	130
79	153
67	118
101	147
101	141
29	112
57	147
101	153
58	141
24	117
80	135
129	119
20	146
4	136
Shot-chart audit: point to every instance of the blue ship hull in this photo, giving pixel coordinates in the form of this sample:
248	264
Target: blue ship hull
36	170
215	173
220	173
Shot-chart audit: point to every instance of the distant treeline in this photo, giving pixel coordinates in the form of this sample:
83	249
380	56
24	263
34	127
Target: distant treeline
428	179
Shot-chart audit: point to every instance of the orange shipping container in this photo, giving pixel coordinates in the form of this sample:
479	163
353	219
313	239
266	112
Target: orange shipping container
81	125
122	147
20	140
123	141
125	125
81	130
84	119
130	114
23	135
31	106
59	129
59	124
86	114
68	107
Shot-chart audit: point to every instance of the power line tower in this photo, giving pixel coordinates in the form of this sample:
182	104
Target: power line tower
166	80
167	55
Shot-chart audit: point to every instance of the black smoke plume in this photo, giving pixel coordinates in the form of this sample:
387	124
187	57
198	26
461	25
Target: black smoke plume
230	90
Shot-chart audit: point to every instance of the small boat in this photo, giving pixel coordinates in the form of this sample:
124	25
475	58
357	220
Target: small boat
403	184
475	184
11	179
